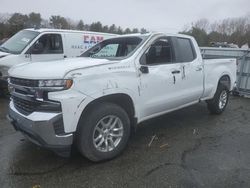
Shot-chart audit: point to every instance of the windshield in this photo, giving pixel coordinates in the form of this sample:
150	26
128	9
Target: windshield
115	48
18	42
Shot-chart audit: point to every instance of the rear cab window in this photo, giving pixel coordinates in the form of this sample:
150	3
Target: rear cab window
185	50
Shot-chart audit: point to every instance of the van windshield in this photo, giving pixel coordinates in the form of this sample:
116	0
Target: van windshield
18	42
115	48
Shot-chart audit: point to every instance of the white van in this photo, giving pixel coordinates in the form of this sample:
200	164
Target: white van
31	45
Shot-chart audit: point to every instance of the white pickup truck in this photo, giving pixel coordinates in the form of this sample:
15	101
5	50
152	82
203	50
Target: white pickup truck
95	100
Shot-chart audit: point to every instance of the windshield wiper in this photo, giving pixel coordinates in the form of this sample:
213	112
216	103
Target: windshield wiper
3	49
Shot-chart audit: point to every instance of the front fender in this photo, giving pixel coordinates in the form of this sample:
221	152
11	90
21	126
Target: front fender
74	102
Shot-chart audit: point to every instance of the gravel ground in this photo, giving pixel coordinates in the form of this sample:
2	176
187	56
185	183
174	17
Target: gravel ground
191	148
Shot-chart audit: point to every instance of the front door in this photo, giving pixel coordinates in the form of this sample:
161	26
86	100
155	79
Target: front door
160	80
47	48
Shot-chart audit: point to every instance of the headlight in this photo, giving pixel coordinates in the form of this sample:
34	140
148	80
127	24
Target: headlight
55	84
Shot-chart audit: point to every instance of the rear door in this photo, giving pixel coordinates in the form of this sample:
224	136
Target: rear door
191	70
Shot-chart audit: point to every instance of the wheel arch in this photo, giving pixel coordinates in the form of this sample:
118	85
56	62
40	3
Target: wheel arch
225	80
120	99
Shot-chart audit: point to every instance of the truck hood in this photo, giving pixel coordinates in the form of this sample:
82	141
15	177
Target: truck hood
54	69
3	54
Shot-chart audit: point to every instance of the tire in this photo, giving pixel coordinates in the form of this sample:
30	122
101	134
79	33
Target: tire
97	124
218	104
4	93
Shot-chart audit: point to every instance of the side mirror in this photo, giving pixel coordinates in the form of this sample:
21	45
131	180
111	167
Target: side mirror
37	48
150	55
144	69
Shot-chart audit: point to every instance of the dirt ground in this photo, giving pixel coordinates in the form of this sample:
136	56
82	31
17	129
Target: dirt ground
191	148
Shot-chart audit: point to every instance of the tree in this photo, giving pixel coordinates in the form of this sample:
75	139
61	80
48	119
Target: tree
80	25
105	29
2	26
127	31
247	35
202	24
34	19
215	36
199	34
17	22
96	26
135	30
4	31
119	30
59	22
231	30
143	30
112	29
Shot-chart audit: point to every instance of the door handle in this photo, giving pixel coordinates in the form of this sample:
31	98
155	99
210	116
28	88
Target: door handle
64	56
176	72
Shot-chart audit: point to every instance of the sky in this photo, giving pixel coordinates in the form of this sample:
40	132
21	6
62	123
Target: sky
154	15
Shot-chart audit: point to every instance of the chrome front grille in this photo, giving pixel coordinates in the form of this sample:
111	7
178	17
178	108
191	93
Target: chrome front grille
24	82
24	96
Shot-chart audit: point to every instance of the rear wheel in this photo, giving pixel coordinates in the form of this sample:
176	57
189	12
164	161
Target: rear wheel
218	104
103	132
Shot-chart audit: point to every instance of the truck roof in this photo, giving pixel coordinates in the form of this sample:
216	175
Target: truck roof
155	33
41	30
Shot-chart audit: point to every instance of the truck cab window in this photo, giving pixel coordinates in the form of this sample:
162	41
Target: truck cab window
186	50
114	48
160	52
109	50
48	44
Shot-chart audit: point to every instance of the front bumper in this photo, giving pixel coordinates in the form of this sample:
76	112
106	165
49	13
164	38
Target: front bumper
38	127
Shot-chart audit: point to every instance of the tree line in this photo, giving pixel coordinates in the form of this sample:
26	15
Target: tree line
12	23
230	30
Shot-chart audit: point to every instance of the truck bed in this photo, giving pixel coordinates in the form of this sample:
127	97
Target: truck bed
212	71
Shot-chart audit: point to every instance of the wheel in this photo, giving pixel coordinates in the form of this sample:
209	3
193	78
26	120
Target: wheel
103	132
218	104
4	89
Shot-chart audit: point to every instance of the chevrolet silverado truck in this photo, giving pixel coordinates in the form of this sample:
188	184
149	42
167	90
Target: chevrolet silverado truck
95	100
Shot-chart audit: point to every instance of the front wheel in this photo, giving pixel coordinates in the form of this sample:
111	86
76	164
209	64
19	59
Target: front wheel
103	132
219	103
4	89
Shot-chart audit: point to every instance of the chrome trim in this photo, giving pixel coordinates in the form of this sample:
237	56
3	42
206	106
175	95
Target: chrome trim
64	136
36	88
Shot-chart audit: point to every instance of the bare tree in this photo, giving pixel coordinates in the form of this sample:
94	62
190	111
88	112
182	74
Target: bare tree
202	24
